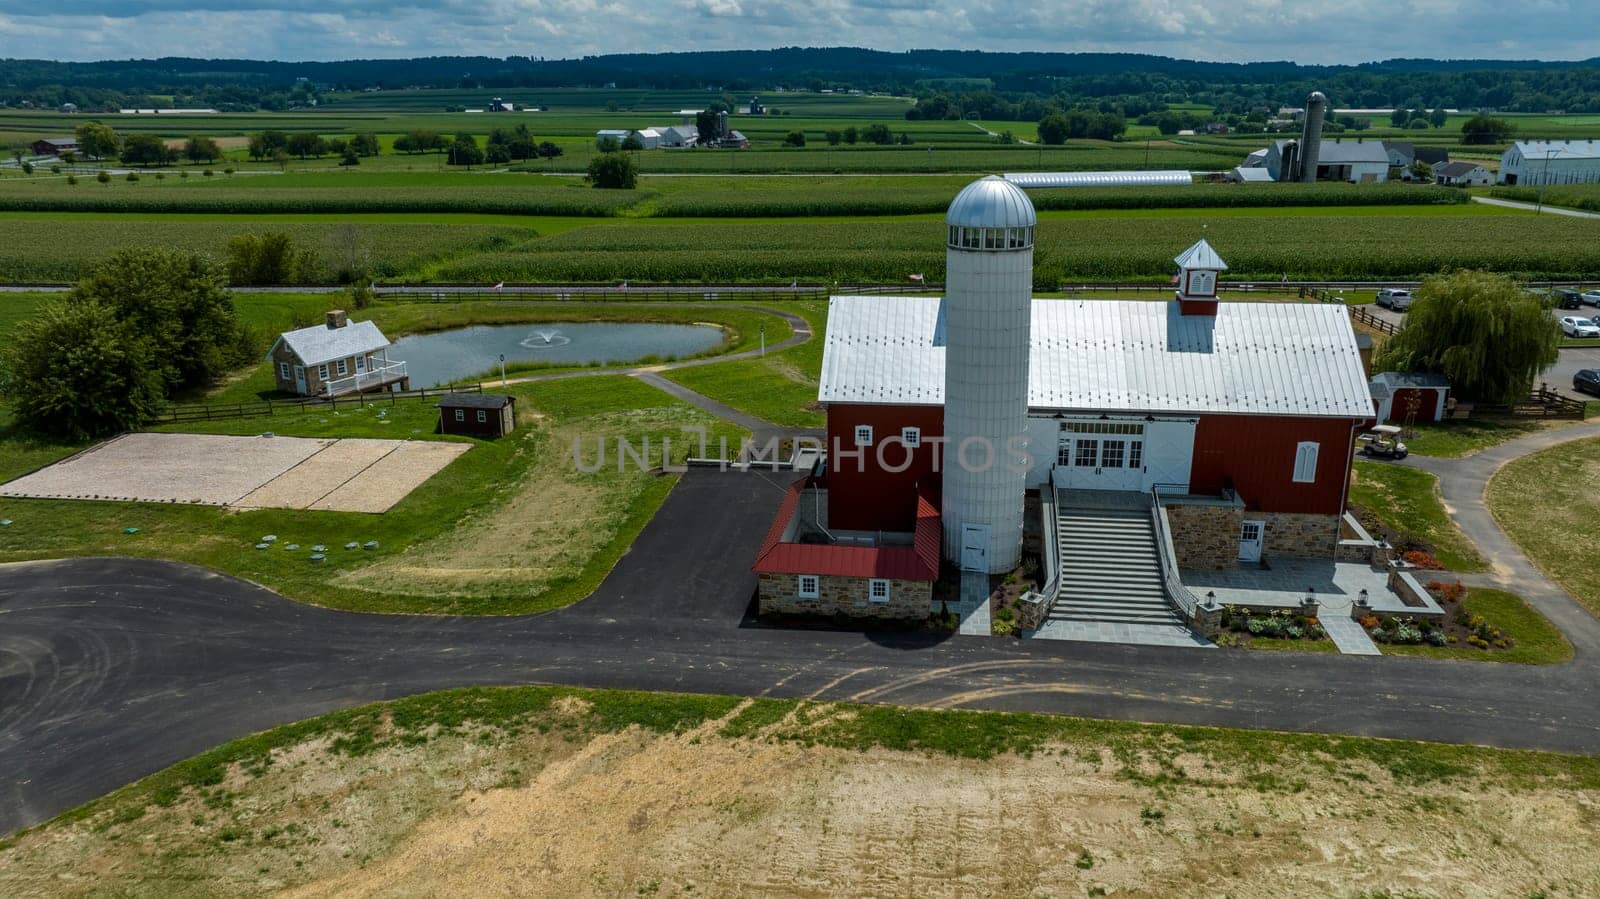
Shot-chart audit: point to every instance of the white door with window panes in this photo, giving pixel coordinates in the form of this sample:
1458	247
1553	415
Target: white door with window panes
1251	535
1101	455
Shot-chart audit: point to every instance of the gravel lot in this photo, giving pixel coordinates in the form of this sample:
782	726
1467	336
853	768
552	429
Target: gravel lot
354	475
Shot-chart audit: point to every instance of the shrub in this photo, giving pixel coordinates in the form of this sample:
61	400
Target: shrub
103	177
1435	637
1423	559
613	171
133	176
1368	622
267	259
1451	592
108	382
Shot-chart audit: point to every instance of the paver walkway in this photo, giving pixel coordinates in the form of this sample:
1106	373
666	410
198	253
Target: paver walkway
974	608
1348	634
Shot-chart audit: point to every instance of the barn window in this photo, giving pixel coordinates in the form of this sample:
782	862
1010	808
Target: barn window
1305	463
863	435
461	415
344	368
808	586
878	590
482	416
911	437
283	370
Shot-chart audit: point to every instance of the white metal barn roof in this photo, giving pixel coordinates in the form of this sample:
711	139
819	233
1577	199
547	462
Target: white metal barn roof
320	343
991	202
1558	149
1099	179
1114	356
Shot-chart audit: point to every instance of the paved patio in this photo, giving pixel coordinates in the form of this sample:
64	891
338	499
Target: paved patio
1335	585
1120	632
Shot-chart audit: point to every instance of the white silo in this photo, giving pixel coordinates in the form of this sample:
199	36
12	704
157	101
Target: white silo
987	304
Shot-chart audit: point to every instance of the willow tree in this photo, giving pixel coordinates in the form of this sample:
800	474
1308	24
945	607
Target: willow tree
1485	333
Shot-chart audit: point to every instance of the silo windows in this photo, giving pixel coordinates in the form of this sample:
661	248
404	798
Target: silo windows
863	435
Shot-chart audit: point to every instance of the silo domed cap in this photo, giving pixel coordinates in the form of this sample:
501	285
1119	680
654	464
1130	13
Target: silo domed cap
991	202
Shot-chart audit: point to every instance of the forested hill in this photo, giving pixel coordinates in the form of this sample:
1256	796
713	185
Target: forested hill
1517	85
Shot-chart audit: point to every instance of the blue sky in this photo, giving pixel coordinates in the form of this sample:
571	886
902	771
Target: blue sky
1311	31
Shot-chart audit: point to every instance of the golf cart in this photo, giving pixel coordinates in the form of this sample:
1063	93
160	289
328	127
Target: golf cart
1383	442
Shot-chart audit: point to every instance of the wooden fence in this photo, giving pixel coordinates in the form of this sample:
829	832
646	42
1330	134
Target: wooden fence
1541	403
1363	316
191	412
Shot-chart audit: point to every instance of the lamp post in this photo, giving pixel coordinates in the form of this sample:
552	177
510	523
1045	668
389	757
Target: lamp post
763	332
502	369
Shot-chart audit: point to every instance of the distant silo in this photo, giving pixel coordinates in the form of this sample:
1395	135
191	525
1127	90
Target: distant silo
987	304
1311	137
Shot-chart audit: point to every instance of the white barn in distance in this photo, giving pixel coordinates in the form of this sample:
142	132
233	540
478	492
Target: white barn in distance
1534	162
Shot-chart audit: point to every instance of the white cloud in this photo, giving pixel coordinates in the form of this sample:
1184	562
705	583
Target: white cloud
1310	31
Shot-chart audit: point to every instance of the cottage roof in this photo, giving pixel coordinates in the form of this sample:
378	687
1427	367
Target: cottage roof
474	401
1457	169
1114	356
320	343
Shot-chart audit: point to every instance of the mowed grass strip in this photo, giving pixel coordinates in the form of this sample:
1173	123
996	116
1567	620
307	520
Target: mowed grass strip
780	387
1407	502
485	491
1548	504
1463	437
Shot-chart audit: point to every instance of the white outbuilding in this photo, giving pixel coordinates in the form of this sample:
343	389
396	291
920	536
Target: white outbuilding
1551	162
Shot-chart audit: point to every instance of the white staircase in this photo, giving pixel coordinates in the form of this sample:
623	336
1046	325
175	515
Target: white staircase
1108	567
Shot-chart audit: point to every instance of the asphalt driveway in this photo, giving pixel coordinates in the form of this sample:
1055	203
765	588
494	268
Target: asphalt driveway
111	669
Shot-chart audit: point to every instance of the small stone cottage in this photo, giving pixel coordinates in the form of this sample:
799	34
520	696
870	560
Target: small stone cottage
335	358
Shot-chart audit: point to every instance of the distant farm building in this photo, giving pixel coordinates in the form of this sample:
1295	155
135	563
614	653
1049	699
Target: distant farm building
499	105
477	415
1359	162
1410	397
1551	162
1463	174
54	146
1402	154
335	358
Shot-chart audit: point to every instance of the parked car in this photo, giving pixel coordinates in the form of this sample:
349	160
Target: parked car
1577	326
1592	297
1567	299
1394	298
1587	380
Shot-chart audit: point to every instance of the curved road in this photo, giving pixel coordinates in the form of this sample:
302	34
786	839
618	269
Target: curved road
111	669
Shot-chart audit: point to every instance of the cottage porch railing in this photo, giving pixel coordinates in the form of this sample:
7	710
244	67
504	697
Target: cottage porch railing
376	376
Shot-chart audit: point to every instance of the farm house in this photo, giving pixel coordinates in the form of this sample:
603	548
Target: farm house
335	358
1184	433
1550	162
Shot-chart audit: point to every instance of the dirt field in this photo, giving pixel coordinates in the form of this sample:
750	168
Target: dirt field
351	475
632	812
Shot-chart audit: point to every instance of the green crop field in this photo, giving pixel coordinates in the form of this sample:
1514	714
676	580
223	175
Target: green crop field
1069	249
52	251
1576	196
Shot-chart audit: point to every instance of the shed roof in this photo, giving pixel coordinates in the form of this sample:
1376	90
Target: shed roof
320	343
1250	173
1395	379
917	562
1457	169
475	401
1115	356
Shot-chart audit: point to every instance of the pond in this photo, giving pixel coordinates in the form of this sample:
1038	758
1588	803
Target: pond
446	356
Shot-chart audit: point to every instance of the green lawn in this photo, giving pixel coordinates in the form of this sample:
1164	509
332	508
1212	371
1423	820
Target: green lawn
482	512
781	388
1463	437
1406	501
1548	504
1536	640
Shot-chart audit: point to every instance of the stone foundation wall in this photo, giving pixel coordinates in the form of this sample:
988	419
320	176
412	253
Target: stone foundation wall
779	595
1300	536
1204	537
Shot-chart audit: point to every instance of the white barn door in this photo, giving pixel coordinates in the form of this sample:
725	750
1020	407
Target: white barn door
1168	453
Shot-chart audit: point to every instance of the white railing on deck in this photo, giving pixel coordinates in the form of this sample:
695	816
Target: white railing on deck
1171	584
376	376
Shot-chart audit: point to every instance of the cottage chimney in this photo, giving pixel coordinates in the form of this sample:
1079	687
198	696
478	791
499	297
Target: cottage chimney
337	318
1198	267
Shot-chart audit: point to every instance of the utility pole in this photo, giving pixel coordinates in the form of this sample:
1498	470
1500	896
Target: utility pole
763	340
1543	180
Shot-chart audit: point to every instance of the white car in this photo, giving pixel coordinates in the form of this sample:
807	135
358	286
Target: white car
1573	326
1592	297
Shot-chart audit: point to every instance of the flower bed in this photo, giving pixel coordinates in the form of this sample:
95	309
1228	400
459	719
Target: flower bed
1460	626
1240	626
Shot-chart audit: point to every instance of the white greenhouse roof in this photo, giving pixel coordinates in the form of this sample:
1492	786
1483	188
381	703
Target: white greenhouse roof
1115	356
1030	180
320	343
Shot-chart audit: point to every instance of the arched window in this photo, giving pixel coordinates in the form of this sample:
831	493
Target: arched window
1305	463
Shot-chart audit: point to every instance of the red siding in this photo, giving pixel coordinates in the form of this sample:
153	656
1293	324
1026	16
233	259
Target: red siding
1255	455
862	495
1426	398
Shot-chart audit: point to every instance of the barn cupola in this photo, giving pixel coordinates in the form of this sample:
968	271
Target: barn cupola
1198	268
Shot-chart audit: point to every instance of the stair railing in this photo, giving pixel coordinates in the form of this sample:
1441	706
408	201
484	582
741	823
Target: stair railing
1177	594
1036	605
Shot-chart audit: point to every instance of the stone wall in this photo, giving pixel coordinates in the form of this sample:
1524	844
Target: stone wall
1299	536
779	595
1205	537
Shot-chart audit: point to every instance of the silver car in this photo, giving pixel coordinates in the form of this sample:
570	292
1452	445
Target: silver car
1394	298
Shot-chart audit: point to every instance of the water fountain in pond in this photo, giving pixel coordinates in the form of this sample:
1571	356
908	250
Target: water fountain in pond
539	340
